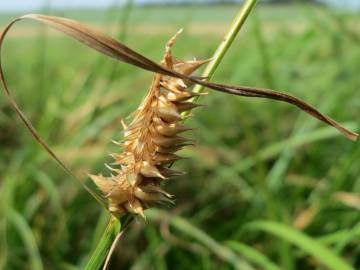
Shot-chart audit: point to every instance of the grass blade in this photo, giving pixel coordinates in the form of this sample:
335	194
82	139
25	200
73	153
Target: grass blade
293	142
20	224
211	244
304	242
253	255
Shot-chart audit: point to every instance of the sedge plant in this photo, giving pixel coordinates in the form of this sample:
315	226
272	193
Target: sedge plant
152	137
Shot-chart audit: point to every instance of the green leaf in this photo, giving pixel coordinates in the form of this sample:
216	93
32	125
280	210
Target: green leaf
184	226
21	225
253	255
314	248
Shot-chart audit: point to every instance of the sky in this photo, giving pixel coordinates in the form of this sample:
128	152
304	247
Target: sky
350	4
21	5
30	5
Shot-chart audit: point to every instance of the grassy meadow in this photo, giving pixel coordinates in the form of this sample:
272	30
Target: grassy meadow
267	187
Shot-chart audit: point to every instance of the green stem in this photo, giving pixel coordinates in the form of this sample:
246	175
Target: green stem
98	256
227	41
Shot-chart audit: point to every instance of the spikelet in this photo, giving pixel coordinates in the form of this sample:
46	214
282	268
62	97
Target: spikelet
150	142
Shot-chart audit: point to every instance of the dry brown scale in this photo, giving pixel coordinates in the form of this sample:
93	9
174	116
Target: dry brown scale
150	142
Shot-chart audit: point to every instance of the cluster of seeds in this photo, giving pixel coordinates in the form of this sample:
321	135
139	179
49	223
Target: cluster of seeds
150	141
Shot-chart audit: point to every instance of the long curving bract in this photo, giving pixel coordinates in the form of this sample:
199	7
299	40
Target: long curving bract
117	50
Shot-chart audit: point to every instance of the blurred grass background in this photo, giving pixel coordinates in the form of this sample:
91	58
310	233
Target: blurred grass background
267	186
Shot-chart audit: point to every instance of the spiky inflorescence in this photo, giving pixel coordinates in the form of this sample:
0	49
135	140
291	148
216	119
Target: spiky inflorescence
150	142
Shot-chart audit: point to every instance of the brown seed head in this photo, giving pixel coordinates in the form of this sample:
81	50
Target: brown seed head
150	142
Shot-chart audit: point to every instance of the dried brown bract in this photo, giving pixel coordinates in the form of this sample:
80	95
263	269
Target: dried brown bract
150	141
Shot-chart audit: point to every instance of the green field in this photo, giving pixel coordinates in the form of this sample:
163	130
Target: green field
267	187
